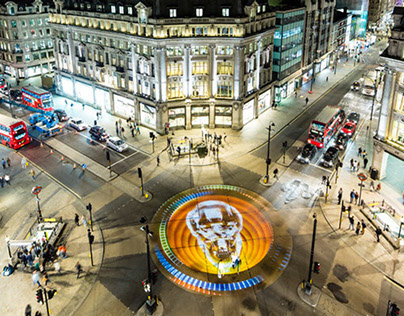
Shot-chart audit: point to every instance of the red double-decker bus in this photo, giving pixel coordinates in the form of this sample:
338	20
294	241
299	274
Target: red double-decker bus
325	125
37	99
13	132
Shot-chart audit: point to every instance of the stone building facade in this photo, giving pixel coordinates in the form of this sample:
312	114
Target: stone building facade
26	47
176	63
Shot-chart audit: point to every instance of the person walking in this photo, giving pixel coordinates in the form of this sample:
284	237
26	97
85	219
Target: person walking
83	220
339	196
24	163
378	233
158	161
32	173
365	162
372	187
326	79
236	261
379	187
351	222
76	219
363	224
79	269
84	106
132	130
352	196
2	181
137	130
295	94
71	105
56	265
116	128
358	228
359	151
7	179
3	163
352	164
356	197
307	100
36	278
122	132
364	153
8	162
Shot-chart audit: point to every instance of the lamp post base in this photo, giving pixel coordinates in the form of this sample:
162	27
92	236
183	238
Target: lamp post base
151	306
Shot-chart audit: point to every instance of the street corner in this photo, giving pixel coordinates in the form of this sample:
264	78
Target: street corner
310	296
256	253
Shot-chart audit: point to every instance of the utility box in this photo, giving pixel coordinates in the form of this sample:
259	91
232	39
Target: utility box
374	174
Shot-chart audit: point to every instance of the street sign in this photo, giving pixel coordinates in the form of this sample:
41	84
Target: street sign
362	177
36	190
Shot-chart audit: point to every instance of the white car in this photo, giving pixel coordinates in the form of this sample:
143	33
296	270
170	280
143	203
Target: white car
117	144
78	124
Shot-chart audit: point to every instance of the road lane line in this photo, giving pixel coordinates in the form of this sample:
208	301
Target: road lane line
126	157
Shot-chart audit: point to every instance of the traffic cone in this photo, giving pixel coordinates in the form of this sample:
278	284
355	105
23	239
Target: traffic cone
74	166
51	151
76	132
62	158
41	144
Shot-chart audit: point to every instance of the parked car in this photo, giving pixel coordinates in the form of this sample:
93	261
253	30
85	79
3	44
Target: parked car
330	157
341	140
307	154
353	117
98	133
117	144
61	114
349	129
77	124
15	95
355	86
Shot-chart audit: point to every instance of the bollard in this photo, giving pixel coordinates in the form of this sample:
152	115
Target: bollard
51	151
62	158
74	166
41	144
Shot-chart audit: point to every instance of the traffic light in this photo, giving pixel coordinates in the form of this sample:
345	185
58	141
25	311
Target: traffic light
90	237
39	296
395	311
146	285
89	207
285	144
108	156
139	172
51	294
316	268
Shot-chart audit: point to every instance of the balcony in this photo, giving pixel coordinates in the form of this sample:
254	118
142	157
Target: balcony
82	59
120	69
99	64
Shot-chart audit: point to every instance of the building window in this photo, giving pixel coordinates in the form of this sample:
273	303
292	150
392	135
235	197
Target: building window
225	12
173	13
199	68
174	69
174	90
130	10
13	23
39	21
199	50
113	9
121	10
33	33
264	8
27	58
32	22
199	12
225	68
224	89
200	88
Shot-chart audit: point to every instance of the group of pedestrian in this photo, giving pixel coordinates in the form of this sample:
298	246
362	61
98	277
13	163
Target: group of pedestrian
360	227
354	196
354	165
5	179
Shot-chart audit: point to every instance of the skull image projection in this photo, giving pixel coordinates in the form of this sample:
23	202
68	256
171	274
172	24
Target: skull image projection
217	226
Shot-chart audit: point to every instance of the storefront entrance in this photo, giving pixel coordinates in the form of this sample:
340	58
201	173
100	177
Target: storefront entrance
124	106
148	115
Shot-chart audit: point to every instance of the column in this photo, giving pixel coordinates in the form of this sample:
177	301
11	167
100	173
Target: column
387	99
212	70
163	75
134	68
211	115
237	70
186	75
237	122
188	116
157	72
70	45
380	157
258	65
160	119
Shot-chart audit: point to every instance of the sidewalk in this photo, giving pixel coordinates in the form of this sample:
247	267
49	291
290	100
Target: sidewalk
17	213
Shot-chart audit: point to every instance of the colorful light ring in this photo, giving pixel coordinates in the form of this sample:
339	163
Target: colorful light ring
265	250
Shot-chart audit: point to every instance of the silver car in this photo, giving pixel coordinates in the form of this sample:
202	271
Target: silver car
117	144
78	124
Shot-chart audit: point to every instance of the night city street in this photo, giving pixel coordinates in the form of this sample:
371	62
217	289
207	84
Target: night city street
260	168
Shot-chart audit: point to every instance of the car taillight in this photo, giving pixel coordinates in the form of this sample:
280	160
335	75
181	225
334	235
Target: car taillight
321	145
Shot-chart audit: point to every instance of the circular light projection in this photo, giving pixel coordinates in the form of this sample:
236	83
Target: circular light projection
203	230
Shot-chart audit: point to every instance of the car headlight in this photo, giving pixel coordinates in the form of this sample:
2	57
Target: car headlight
322	160
307	159
299	157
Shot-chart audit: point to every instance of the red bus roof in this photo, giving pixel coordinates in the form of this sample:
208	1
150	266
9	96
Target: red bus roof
8	121
326	114
35	90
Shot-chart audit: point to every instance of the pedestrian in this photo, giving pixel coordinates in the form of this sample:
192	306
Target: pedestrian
117	130
295	94
2	182
378	188
79	269
224	136
352	196
35	278
326	79
128	121
236	261
8	162
372	186
276	105
220	269
364	153
365	162
358	228
24	162
158	161
7	179
352	164
32	173
122	131
276	171
45	278
62	251
137	130
71	105
28	310
363	227
214	151
351	222
132	130
84	106
83	220
3	163
356	197
95	122
56	265
273	104
76	219
66	103
359	151
339	196
307	100
378	233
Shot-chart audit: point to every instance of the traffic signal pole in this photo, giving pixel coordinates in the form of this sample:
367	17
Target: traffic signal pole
313	241
46	301
90	241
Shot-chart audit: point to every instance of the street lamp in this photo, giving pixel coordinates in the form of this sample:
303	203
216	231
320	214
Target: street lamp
151	303
374	96
309	282
268	161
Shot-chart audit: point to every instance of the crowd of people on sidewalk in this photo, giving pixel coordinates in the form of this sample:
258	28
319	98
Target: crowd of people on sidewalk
5	178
